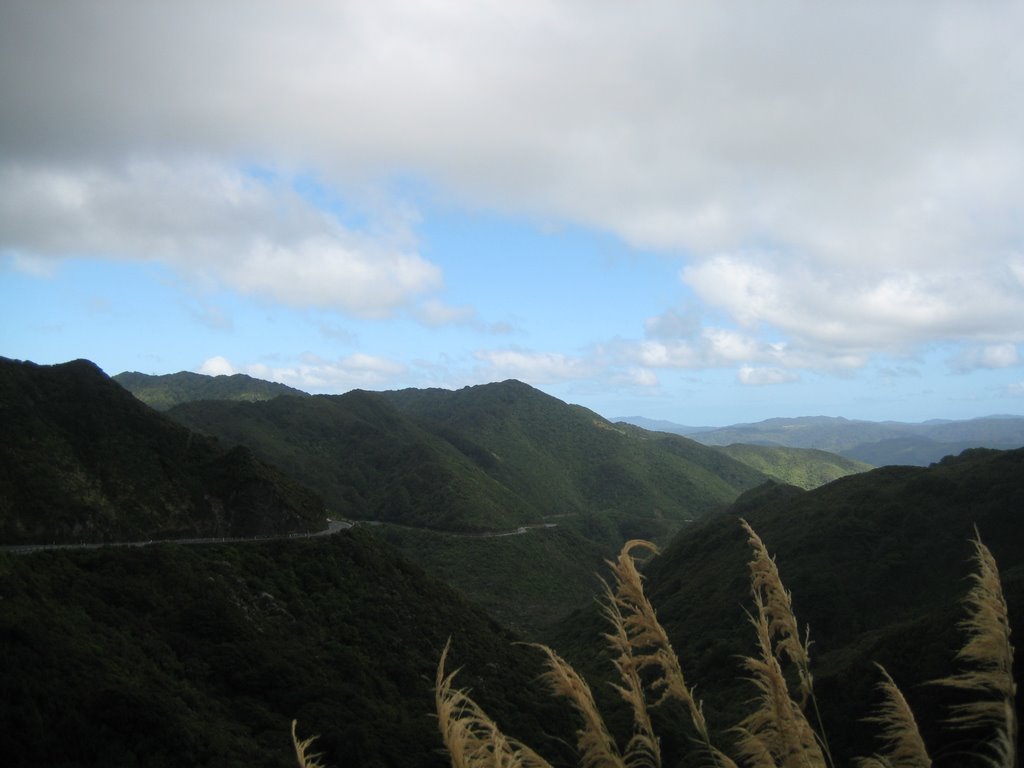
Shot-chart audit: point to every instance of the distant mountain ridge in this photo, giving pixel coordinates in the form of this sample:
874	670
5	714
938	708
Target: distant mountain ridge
870	442
166	391
877	443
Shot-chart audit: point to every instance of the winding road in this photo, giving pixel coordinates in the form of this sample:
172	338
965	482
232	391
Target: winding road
333	527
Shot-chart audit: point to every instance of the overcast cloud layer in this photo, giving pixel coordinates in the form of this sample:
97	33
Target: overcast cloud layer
837	181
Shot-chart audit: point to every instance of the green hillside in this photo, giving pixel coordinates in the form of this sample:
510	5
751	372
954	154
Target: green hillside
83	460
186	656
487	459
564	459
803	467
484	458
877	565
169	390
366	459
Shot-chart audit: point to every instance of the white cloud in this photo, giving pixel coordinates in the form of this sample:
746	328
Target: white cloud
992	356
217	366
757	377
642	377
211	221
315	374
850	175
849	312
709	347
533	367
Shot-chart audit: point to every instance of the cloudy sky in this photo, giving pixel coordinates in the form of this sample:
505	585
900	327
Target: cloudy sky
708	212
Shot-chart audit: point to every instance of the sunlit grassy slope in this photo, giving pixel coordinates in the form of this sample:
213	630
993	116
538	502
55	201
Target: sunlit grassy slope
805	468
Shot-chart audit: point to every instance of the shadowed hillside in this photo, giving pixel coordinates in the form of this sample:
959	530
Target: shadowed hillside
185	656
83	460
877	566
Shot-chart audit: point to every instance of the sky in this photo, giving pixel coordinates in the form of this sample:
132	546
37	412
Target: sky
704	212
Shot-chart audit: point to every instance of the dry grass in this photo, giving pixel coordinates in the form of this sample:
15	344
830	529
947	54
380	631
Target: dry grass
904	747
595	744
470	736
775	605
988	656
778	733
302	754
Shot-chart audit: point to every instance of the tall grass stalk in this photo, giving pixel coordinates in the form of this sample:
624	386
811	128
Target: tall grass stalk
904	747
642	644
302	755
777	734
472	739
988	655
596	746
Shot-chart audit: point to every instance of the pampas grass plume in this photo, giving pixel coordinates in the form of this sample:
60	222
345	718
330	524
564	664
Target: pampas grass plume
302	754
904	746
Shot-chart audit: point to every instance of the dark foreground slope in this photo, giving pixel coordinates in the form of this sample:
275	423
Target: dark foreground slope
876	564
169	390
185	656
83	460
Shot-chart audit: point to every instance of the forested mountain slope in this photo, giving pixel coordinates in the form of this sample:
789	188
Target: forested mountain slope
566	459
83	460
366	459
482	458
184	656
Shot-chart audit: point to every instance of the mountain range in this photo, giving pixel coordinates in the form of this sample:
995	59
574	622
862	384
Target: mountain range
877	443
484	515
